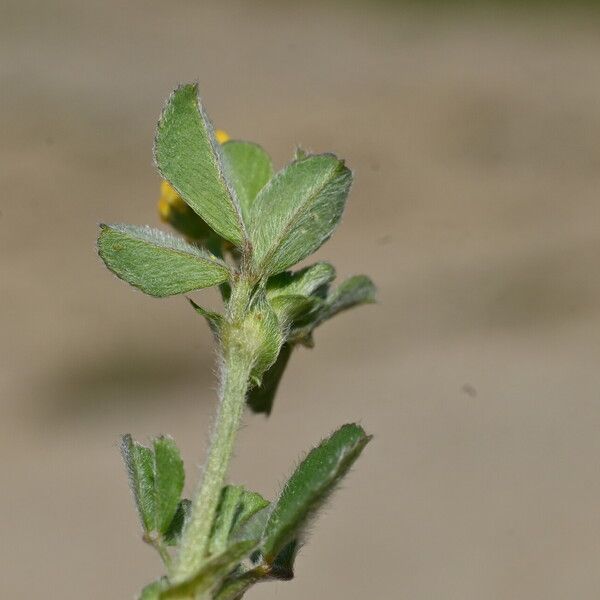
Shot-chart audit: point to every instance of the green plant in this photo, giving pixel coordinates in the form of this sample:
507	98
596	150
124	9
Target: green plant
244	227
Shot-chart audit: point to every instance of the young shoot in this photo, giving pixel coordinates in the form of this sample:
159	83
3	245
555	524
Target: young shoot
241	227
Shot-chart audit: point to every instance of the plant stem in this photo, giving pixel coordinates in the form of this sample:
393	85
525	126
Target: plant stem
160	547
234	380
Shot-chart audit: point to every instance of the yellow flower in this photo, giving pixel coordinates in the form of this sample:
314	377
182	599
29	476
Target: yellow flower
169	199
221	136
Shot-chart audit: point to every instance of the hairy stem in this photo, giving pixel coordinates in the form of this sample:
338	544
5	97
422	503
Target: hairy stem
163	552
234	380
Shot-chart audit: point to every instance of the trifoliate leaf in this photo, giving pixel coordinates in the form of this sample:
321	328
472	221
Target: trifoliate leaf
156	478
158	263
297	211
189	158
309	486
249	169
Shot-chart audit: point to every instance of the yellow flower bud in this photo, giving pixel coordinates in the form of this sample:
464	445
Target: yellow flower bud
169	200
163	210
221	136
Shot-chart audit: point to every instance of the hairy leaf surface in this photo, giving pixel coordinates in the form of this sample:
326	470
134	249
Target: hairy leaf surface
352	292
292	308
156	478
158	263
297	211
310	485
307	281
249	169
169	477
189	158
139	462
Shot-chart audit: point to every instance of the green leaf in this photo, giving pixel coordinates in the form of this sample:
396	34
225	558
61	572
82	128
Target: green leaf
172	535
236	587
249	169
294	308
139	461
211	574
189	158
264	337
290	308
297	211
169	477
156	478
214	319
158	263
309	486
153	590
352	292
253	528
297	298
225	517
307	281
260	398
236	506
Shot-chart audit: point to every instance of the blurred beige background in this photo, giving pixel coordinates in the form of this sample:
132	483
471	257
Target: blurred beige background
475	137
